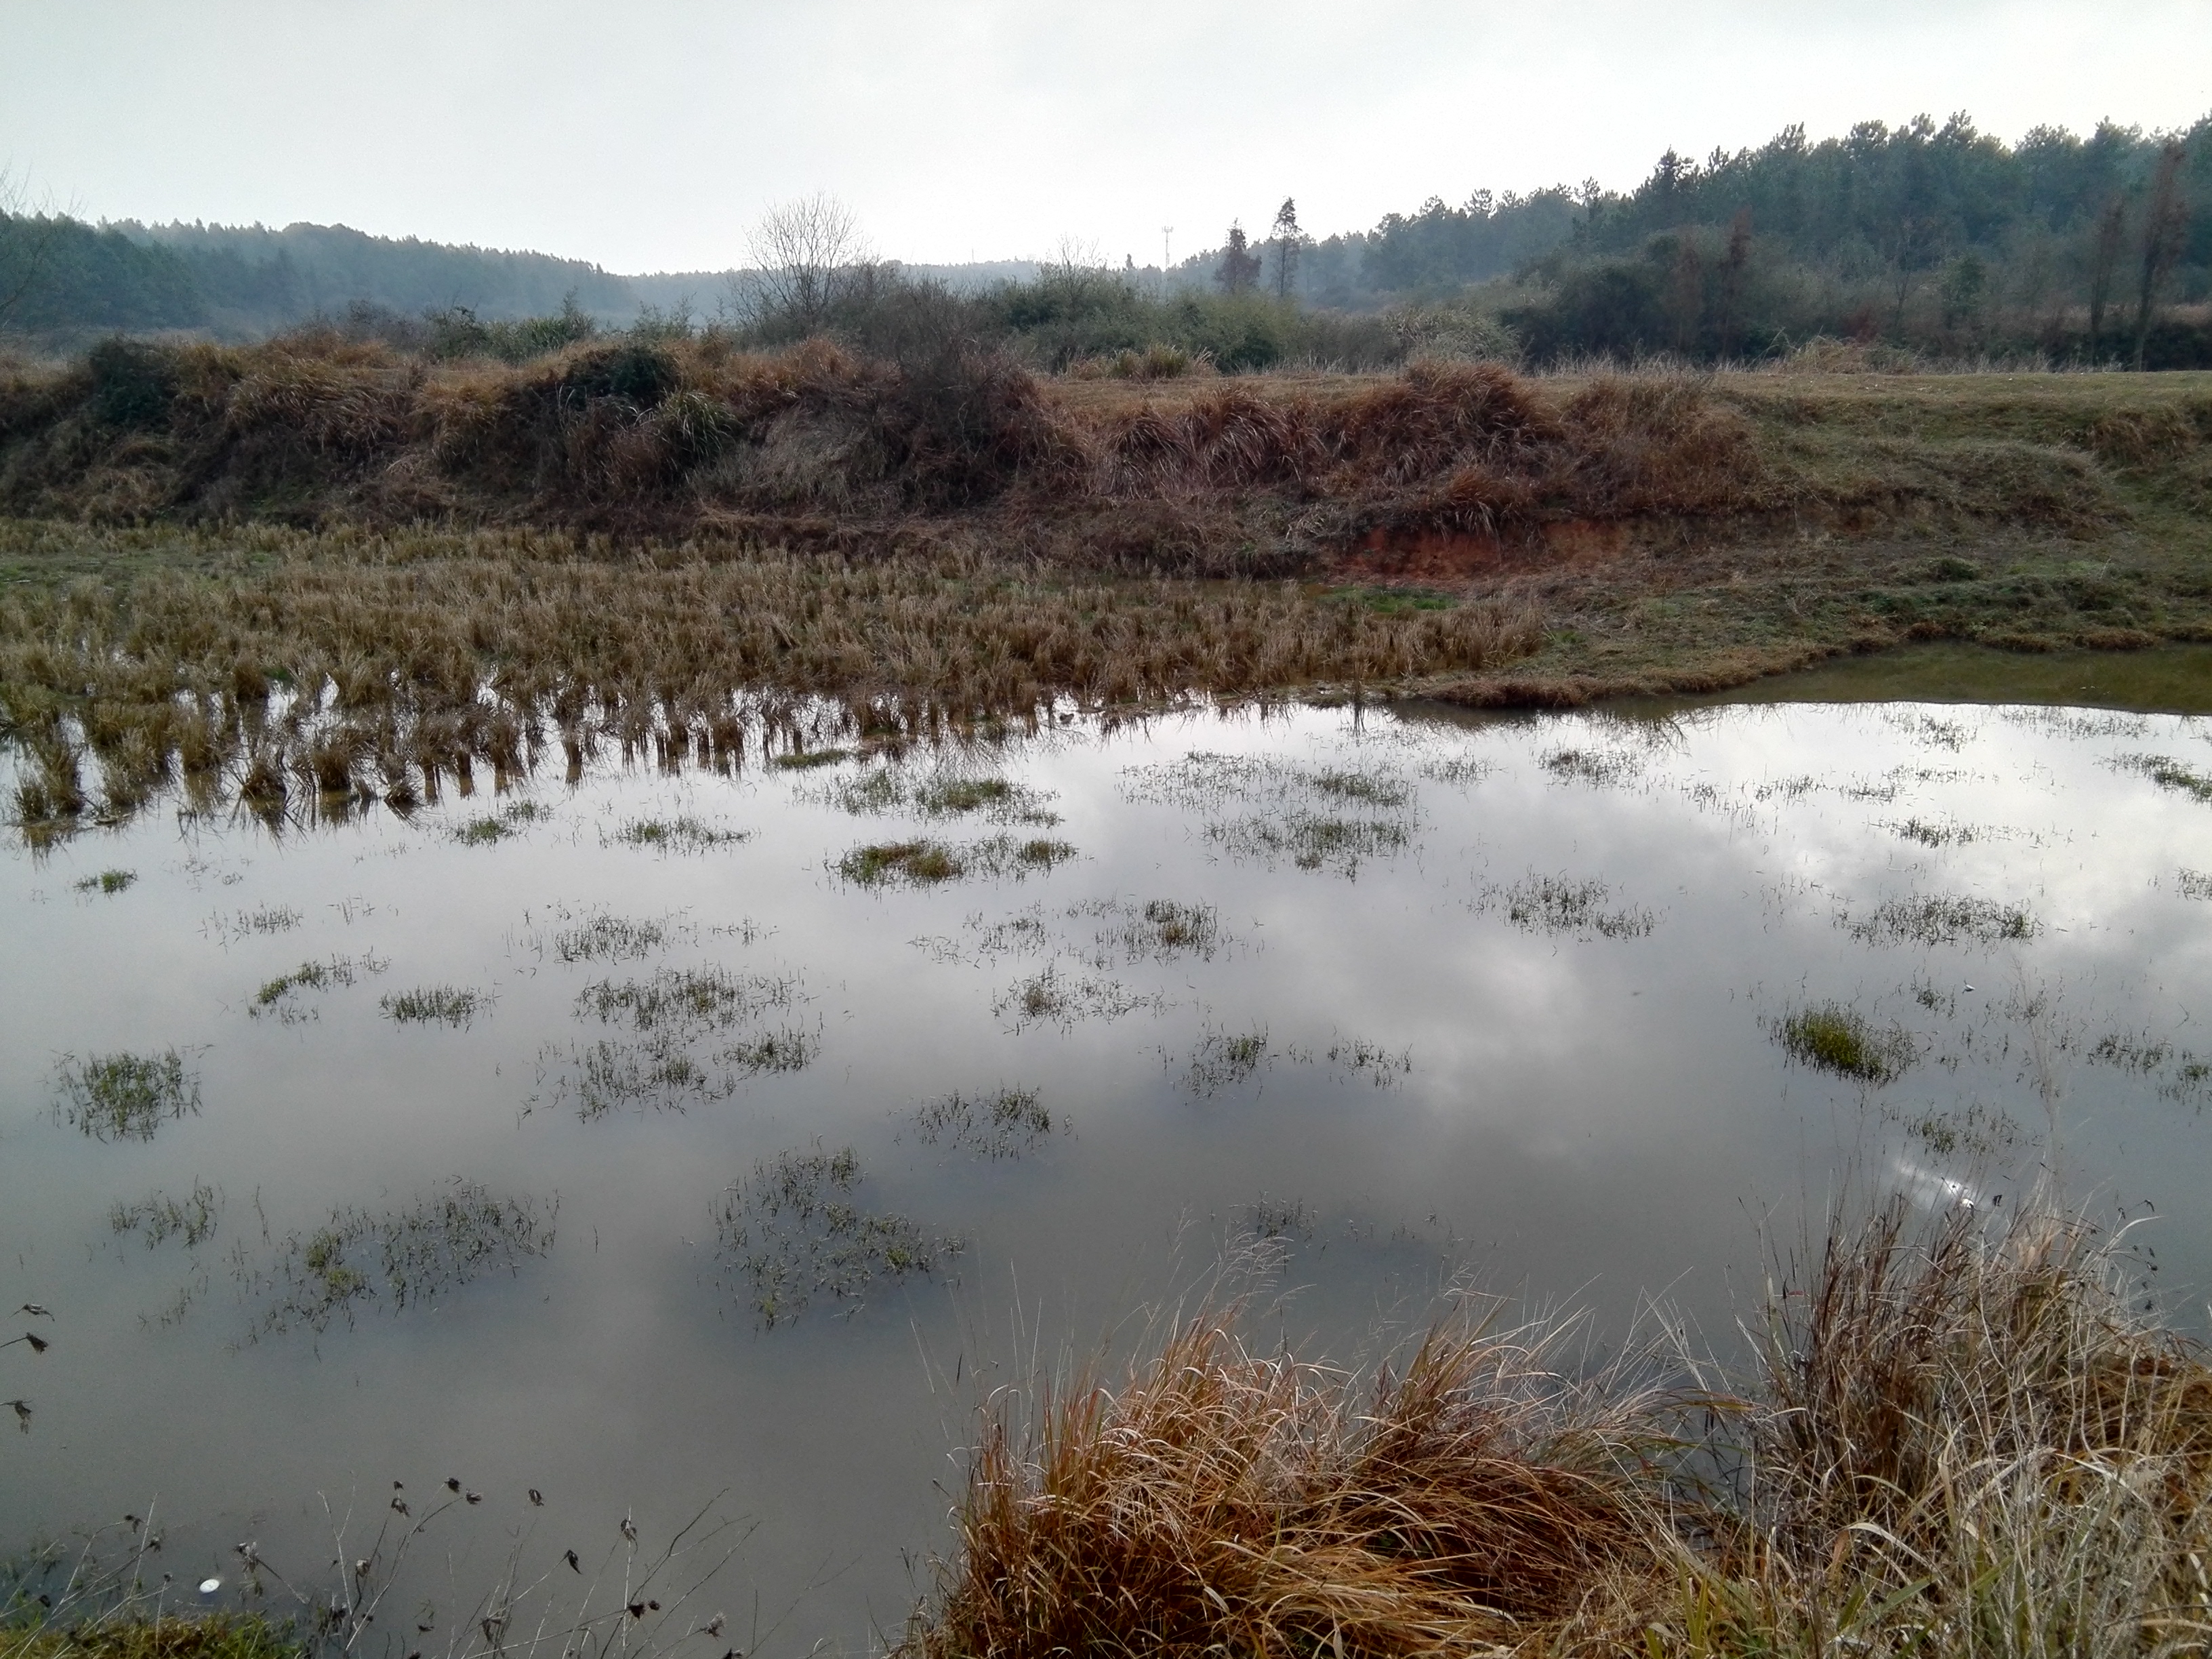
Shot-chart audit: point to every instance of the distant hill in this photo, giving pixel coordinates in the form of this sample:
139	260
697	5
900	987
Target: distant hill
67	277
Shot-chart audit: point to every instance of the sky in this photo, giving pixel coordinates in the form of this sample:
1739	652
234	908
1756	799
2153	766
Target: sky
651	134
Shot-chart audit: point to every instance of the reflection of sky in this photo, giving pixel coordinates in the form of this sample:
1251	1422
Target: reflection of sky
1589	1118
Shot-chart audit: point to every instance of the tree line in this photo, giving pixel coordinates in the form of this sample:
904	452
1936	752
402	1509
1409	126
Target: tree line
1938	239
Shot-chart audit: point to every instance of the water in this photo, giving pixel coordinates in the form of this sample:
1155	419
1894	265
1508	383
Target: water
1512	1023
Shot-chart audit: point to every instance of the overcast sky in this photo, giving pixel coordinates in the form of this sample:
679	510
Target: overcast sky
648	134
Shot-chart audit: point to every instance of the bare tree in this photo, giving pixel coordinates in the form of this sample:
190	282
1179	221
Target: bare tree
27	237
808	255
2164	223
2103	261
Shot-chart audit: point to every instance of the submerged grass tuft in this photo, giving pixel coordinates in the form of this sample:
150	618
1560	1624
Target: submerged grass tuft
1050	996
158	1218
1559	904
2170	774
485	830
436	1005
1310	840
397	1258
107	881
918	863
126	1097
792	1231
276	997
679	835
1840	1039
610	939
802	761
681	1003
1007	1123
1944	919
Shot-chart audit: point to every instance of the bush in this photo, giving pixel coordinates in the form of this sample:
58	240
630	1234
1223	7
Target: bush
133	384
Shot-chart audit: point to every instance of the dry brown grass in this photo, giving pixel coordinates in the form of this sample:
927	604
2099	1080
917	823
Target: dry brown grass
662	438
436	651
1221	1500
1960	1441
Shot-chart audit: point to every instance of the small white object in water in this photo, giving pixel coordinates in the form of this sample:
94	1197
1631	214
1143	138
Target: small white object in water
1969	988
209	1586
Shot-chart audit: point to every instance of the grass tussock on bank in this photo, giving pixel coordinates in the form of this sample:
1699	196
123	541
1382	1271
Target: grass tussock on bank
214	1637
1960	1440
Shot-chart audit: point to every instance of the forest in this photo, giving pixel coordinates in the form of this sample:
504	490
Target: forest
1936	241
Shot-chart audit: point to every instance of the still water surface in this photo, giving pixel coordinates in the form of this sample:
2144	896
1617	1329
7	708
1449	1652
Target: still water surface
1372	1007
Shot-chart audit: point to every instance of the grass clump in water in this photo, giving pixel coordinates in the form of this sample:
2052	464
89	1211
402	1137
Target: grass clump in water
683	1002
679	835
1222	1059
917	863
126	1097
484	831
400	1257
1598	767
107	881
610	939
1064	999
1558	904
2170	774
276	997
806	761
792	1231
2194	883
267	920
1945	919
1310	840
1834	1038
1163	929
1955	1438
1005	1124
158	1218
437	1005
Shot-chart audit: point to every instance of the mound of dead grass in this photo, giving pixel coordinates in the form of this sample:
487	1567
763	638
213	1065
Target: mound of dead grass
1958	1440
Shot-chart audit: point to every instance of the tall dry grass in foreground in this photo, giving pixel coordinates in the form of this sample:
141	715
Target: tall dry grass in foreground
1961	1441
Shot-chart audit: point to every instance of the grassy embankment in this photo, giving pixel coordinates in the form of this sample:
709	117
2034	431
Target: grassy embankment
672	545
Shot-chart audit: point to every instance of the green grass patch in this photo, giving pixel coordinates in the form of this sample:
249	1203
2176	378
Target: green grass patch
2168	772
1833	1037
107	881
1944	919
436	1005
679	835
158	1218
917	863
126	1097
807	760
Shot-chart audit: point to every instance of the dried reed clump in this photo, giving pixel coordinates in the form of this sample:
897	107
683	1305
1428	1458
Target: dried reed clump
1222	1501
1959	1440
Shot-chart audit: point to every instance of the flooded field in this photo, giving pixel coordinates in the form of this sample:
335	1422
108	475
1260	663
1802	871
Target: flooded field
648	1143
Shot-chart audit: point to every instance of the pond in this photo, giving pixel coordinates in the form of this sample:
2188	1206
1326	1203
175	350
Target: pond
656	1142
